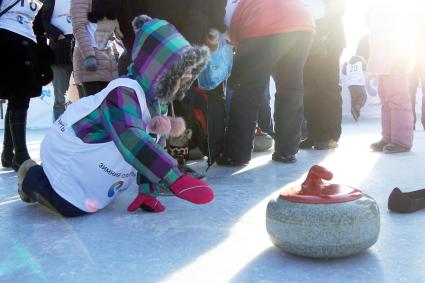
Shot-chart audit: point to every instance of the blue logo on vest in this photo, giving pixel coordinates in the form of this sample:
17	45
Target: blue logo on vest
115	188
20	19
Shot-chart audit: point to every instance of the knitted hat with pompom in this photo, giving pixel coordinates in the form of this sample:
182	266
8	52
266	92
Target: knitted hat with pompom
161	55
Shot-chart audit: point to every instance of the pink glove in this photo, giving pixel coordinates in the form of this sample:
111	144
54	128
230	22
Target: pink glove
193	190
147	203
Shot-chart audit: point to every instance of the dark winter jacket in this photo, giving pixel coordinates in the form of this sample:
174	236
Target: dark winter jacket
61	48
363	47
102	9
26	64
192	18
331	26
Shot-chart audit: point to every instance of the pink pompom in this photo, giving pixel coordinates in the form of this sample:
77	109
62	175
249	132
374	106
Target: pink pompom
160	125
178	126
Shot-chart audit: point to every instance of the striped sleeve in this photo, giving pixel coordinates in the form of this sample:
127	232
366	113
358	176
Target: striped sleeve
122	118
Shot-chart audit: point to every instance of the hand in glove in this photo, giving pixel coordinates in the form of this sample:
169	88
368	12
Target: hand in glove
146	203
186	187
90	64
193	190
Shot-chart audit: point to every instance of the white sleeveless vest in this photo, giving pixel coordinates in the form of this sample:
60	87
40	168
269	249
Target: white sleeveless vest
61	17
316	8
230	10
89	176
19	19
355	74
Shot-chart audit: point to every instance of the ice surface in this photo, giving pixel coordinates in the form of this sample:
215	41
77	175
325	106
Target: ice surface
225	241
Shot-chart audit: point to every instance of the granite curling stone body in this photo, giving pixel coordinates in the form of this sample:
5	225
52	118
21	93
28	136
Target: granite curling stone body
262	141
322	220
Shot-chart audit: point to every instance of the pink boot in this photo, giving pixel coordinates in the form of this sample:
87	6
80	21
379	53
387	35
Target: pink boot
147	203
193	190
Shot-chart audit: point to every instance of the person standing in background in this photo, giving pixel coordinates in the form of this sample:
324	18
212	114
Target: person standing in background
57	23
195	19
94	67
322	93
354	72
417	76
25	71
392	34
272	38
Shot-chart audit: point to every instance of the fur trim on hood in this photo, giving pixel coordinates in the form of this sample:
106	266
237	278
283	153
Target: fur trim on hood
161	55
196	57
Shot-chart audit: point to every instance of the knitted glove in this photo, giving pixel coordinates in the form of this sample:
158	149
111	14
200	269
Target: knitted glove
146	203
90	64
193	190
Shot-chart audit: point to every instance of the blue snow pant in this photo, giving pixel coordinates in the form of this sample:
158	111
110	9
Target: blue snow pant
38	187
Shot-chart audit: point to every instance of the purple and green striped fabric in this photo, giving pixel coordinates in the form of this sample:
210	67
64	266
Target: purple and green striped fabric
119	119
156	47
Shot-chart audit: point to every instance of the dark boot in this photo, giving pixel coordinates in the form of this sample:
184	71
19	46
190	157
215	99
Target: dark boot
289	158
378	146
18	124
326	144
307	143
395	148
7	153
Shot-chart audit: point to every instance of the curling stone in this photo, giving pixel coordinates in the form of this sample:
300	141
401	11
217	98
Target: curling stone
321	220
262	141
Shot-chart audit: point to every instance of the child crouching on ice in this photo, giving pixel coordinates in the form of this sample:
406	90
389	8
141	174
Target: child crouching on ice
101	143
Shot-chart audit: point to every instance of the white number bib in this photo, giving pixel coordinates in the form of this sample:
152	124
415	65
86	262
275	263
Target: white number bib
19	19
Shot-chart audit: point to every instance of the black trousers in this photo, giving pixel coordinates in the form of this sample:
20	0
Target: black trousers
281	56
38	187
416	76
265	113
19	78
322	93
91	88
